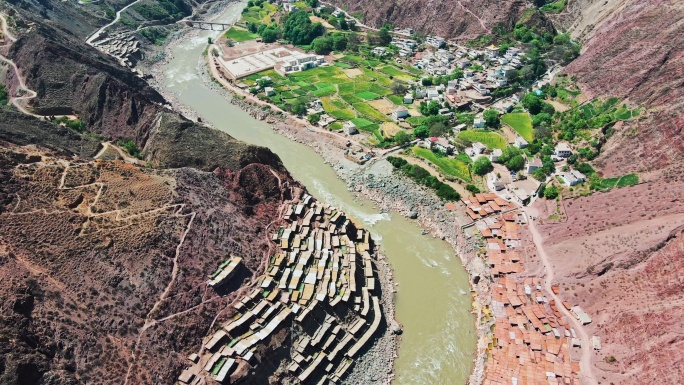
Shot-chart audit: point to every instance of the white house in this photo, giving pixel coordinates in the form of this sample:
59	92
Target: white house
379	51
432	93
408	98
434	41
400	113
350	128
562	150
520	142
494	156
572	178
533	165
443	145
479	148
269	91
479	123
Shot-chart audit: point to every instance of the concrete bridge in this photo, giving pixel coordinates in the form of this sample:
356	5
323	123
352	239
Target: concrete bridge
207	25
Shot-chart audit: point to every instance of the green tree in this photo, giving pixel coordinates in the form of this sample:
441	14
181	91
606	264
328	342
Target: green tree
508	153
339	42
269	35
516	163
314	119
401	138
551	192
532	102
438	129
482	166
312	3
472	188
299	30
322	45
421	132
298	108
491	118
353	41
426	81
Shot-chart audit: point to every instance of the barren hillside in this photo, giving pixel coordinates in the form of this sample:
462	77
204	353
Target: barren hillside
463	18
103	260
618	255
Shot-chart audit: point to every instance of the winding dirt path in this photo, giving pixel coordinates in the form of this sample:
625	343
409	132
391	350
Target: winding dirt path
586	372
17	100
97	33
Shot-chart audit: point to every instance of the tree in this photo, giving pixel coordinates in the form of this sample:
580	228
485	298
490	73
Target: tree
384	36
491	118
421	132
401	138
482	166
472	188
426	81
551	192
429	109
353	42
264	82
298	28
314	119
339	42
343	24
438	129
540	119
532	102
508	153
312	3
398	88
298	108
516	163
269	35
322	45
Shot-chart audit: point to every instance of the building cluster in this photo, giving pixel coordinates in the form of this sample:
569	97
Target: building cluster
323	279
531	343
484	204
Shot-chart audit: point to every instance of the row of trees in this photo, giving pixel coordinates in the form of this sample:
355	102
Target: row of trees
422	176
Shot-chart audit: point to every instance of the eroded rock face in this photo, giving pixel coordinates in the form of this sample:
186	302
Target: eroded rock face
635	51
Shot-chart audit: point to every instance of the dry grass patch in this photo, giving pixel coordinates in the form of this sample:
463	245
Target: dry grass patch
389	129
352	72
382	105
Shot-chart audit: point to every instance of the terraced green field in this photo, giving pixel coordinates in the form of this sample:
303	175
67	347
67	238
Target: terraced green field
490	139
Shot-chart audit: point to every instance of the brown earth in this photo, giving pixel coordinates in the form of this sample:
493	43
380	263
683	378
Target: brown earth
618	256
103	264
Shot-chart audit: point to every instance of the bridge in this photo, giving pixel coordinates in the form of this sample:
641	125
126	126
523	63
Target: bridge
207	25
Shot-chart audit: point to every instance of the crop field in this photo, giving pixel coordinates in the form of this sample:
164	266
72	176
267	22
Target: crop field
490	139
240	35
367	95
371	112
521	123
448	166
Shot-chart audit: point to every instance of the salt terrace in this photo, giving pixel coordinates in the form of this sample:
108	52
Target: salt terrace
323	279
531	343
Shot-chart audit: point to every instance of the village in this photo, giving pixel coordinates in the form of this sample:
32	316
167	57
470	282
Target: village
322	279
460	103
